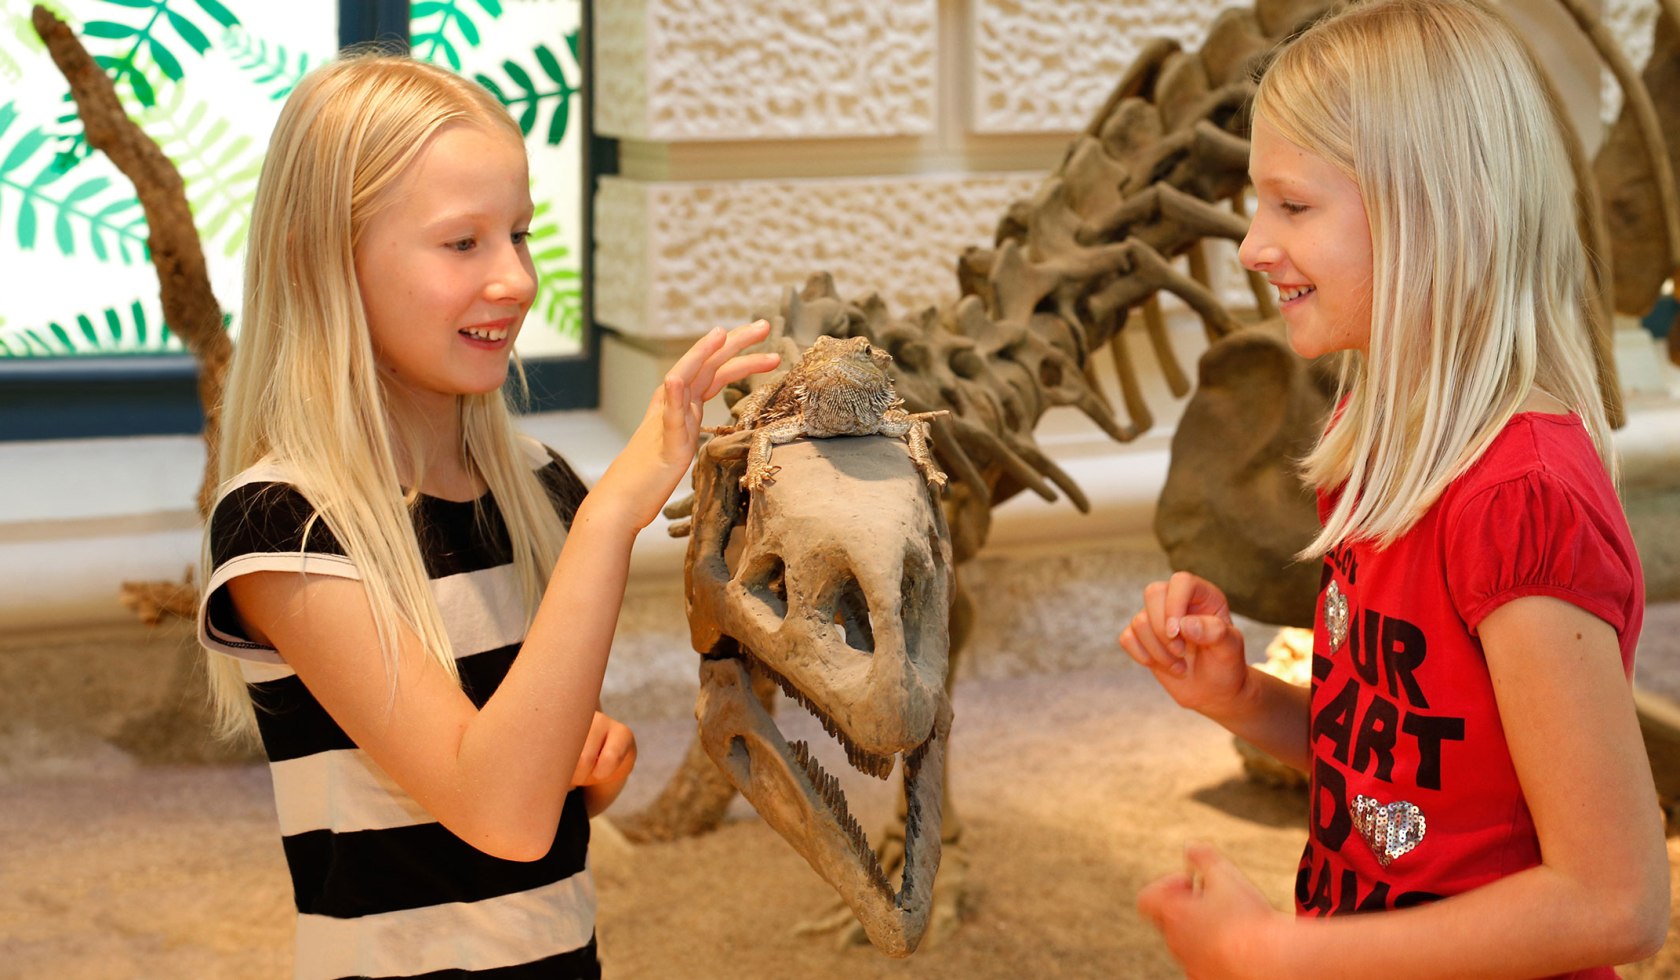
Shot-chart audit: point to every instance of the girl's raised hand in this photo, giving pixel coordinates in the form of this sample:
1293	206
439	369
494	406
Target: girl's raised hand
1185	637
644	474
698	376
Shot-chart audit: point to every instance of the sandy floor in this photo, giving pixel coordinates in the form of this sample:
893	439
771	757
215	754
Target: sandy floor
1074	788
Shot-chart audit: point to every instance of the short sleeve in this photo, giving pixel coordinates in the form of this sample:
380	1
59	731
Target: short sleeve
260	526
1537	535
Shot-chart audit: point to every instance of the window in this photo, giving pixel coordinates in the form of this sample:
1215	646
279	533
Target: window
83	347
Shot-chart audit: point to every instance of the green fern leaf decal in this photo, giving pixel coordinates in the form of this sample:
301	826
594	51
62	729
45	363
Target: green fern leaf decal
109	29
61	228
31	342
220	169
221	14
110	331
272	64
527	104
10	71
430	23
147	39
166	61
119	220
559	296
189	32
25	148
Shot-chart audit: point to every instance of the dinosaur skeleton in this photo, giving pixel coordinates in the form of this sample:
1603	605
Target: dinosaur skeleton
1161	168
1140	187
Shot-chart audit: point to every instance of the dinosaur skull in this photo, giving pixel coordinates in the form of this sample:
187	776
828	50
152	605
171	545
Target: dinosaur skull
812	596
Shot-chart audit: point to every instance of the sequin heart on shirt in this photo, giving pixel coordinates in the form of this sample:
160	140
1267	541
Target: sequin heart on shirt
1391	830
1335	615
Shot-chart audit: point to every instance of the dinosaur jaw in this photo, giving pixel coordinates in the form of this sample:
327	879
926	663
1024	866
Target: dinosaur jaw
804	804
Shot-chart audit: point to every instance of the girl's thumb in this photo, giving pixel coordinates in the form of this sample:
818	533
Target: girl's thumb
1203	861
1202	630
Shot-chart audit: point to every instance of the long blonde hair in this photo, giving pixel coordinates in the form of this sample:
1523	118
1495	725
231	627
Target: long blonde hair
304	387
1482	288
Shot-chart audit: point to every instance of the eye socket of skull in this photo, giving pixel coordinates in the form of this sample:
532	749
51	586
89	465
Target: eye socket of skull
766	581
851	614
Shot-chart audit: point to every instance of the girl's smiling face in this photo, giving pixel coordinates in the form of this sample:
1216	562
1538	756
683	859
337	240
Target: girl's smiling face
444	269
1311	238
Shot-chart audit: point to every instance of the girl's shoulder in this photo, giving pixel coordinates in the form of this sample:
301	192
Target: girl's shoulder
1538	514
1556	447
261	522
1540	464
270	471
262	510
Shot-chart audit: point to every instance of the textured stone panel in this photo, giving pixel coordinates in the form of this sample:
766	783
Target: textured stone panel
675	259
620	91
1633	24
1044	66
678	70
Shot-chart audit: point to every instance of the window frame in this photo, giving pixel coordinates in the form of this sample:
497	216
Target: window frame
152	395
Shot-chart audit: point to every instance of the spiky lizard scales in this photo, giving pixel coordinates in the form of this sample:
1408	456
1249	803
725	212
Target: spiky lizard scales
840	387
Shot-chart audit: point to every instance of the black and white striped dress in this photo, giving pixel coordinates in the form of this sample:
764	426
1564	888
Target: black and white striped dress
382	889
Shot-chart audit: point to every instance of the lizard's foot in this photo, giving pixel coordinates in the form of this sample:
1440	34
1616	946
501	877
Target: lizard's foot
758	479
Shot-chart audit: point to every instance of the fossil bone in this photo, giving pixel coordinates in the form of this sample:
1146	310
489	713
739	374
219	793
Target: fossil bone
833	583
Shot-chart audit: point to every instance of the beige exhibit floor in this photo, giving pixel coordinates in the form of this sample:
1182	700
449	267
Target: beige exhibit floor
1075	789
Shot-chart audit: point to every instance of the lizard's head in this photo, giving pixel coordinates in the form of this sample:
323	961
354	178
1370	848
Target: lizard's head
859	349
849	361
833	587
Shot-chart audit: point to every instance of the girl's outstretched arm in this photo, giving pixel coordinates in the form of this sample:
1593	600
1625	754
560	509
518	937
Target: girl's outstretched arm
497	777
1185	637
1599	896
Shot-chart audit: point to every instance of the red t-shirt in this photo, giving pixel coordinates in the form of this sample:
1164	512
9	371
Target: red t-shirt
1414	795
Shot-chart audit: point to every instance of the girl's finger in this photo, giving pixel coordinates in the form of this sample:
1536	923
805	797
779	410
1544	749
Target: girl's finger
737	368
1204	630
693	359
607	763
1157	899
702	372
582	773
674	411
616	753
1129	642
1164	627
1180	588
1192	595
1160	656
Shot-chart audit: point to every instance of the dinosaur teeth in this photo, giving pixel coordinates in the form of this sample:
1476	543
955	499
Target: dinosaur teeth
861	759
912	819
828	790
